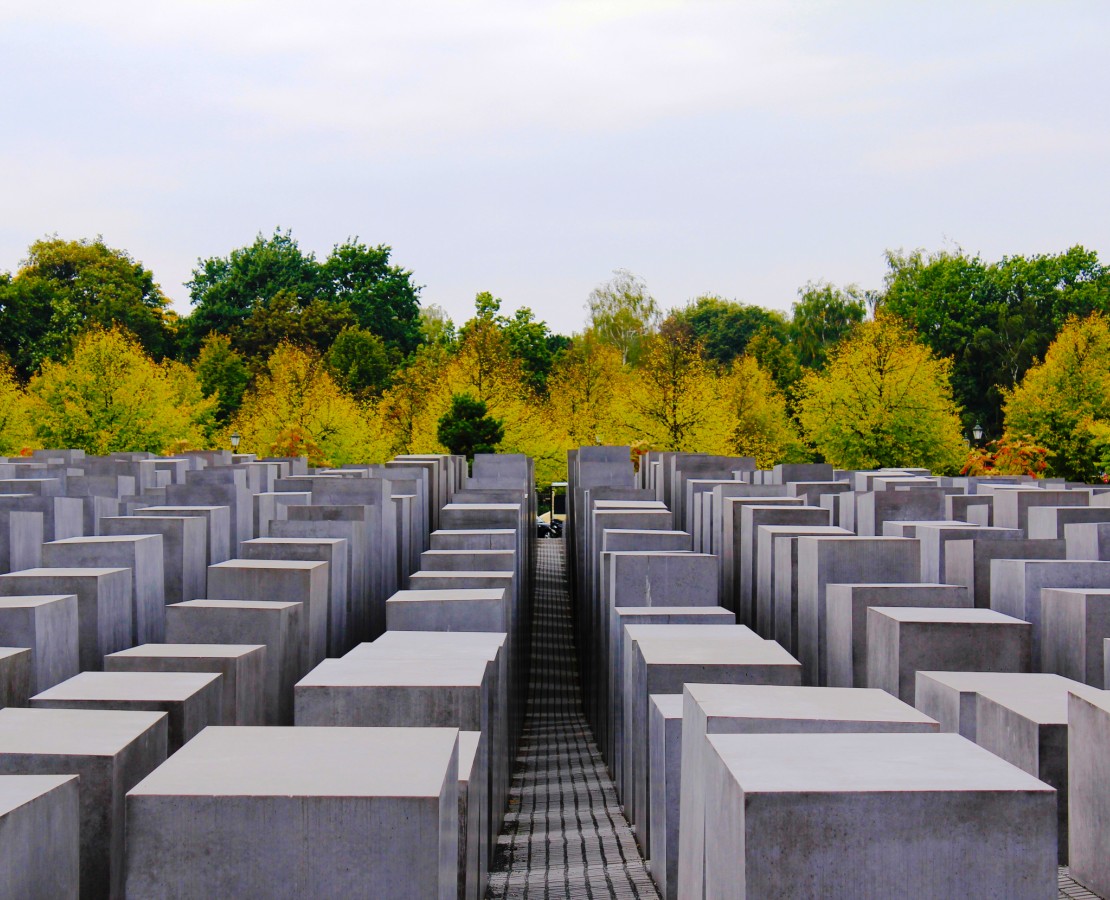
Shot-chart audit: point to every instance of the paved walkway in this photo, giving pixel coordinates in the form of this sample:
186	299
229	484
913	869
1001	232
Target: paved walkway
565	835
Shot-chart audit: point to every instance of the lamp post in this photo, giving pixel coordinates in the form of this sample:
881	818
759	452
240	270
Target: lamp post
235	441
977	432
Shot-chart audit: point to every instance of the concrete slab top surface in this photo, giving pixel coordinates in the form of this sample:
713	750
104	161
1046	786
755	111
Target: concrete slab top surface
447	575
293	565
866	763
68	572
432	671
279	541
955	615
468	750
215	603
431	644
894	585
17	790
303	761
76	732
713	651
758	701
710	611
469	531
669	704
106	539
671	632
19	602
5	652
448	594
1040	700
156	686
174	509
200	651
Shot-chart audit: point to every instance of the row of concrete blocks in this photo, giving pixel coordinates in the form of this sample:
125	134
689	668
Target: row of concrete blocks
187	705
1015	652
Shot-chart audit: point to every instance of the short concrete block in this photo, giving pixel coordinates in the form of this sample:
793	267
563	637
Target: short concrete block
241	667
1089	790
15	676
217	519
462	610
767	709
348	812
142	554
664	789
904	641
111	751
1074	624
275	625
846	631
103	605
191	700
852	812
40	837
184	550
48	627
283	581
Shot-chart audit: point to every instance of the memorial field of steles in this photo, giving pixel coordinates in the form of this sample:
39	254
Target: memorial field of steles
251	678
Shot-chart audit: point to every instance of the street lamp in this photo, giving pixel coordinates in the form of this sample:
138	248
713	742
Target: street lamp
235	441
977	432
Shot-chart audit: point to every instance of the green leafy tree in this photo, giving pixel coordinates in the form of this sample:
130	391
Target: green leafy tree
777	358
623	313
465	429
381	296
1063	402
823	316
532	342
284	318
17	428
883	399
436	327
725	328
222	374
110	396
225	290
360	362
993	319
66	286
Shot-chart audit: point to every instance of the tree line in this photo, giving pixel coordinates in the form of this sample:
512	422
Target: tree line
338	359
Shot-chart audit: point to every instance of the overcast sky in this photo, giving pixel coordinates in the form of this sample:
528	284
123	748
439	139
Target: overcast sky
529	148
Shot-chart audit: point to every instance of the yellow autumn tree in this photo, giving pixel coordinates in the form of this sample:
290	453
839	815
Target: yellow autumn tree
756	416
482	366
587	390
1064	401
109	396
296	401
883	399
17	430
674	394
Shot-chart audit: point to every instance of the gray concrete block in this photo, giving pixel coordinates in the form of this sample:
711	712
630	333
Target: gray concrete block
191	700
275	625
904	641
111	751
1049	522
1027	725
473	864
1087	541
934	539
334	552
241	667
15	676
217	519
664	789
1089	791
282	581
1011	507
40	837
103	605
461	610
766	572
62	517
142	554
846	611
184	550
951	697
662	665
348	812
767	709
854	810
21	537
1016	587
474	539
968	562
843	560
1074	624
48	627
